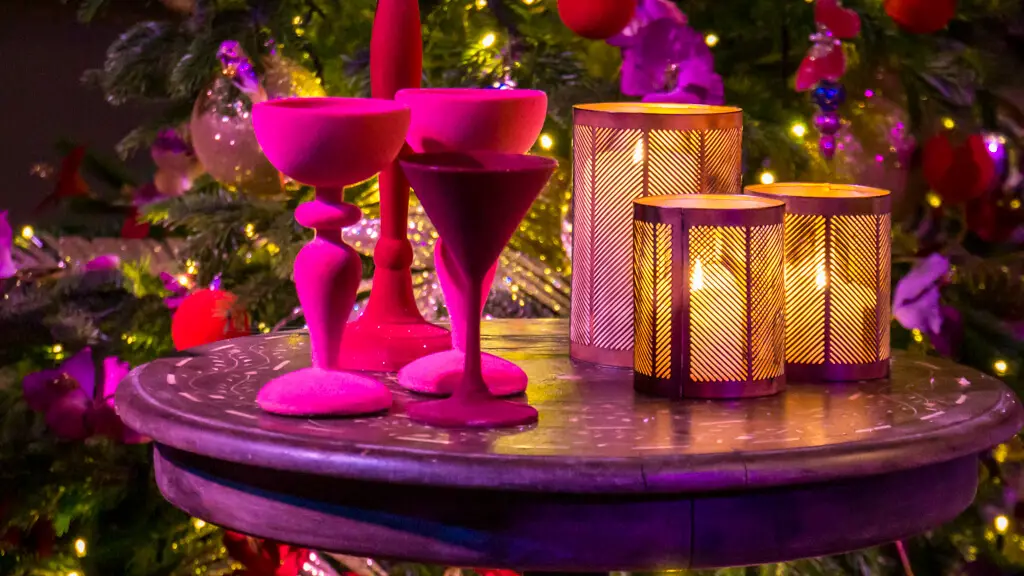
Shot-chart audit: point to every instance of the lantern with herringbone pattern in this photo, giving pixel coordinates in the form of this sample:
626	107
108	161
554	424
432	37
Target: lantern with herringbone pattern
708	296
838	246
621	152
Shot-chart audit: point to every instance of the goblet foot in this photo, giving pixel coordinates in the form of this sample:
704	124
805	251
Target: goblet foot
386	347
316	392
439	374
472	412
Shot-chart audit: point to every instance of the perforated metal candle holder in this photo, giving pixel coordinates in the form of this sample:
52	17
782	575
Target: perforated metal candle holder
838	251
621	152
708	296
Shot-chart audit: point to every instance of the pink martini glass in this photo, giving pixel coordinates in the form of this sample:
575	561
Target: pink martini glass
328	143
468	120
475	200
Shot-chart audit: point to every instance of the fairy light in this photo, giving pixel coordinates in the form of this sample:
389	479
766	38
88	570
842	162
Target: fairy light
933	199
250	230
1015	204
28	232
1000	367
73	573
296	21
711	40
767	177
948	123
57	348
916	334
1002	524
546	142
198	523
80	548
799	129
488	40
481	4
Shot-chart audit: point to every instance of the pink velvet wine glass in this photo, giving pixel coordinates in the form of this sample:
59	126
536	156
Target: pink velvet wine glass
468	120
328	143
475	200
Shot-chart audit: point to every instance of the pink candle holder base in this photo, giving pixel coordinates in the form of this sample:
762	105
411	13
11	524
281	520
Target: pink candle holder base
316	392
438	374
472	412
386	347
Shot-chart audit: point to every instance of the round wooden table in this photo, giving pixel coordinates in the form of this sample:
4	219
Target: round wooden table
607	480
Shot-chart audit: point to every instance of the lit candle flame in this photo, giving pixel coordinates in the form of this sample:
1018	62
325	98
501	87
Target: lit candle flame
638	152
697	281
819	278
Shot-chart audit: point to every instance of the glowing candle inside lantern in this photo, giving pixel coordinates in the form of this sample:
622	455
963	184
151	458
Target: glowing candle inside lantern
718	316
837	280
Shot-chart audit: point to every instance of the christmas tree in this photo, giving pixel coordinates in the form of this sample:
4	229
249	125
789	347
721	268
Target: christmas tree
914	96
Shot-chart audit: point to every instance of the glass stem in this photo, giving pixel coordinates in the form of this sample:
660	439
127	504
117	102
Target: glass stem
473	384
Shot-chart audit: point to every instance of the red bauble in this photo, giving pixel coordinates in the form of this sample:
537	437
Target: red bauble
207	316
921	16
992	219
133	228
596	19
958	173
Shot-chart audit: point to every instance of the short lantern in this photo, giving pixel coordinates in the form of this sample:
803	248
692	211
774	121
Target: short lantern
838	251
621	152
708	296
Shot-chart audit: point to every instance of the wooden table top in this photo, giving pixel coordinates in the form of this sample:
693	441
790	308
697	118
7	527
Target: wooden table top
595	434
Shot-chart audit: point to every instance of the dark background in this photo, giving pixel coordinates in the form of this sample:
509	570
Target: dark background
43	52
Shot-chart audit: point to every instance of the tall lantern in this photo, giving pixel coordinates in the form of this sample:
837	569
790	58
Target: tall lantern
838	249
709	296
621	152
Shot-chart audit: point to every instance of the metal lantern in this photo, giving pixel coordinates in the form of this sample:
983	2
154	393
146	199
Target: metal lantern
838	249
621	152
708	296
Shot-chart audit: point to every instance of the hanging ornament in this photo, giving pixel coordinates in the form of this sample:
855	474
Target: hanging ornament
824	64
921	16
221	124
176	164
206	316
596	19
69	180
285	78
958	173
180	6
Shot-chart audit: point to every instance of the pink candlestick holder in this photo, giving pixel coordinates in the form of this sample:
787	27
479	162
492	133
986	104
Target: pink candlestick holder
475	226
391	332
468	120
328	143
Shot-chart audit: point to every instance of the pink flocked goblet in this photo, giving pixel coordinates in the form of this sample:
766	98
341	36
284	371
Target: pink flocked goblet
328	143
468	120
475	200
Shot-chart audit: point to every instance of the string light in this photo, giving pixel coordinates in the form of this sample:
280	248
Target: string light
481	4
198	523
28	232
711	40
546	142
80	548
57	348
1000	367
73	573
1015	204
948	123
488	40
1002	524
767	177
799	129
933	199
916	334
250	230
